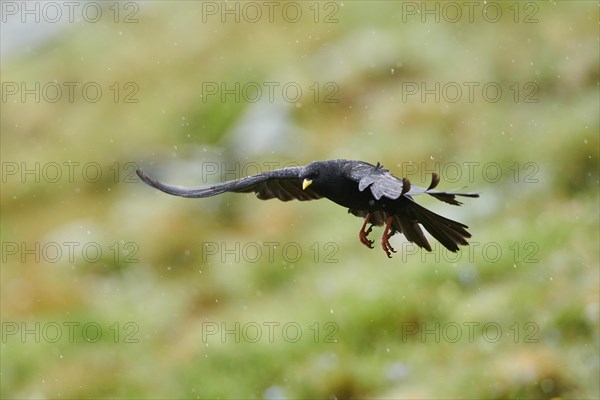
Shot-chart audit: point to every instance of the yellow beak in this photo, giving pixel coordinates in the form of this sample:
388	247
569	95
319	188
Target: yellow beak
306	183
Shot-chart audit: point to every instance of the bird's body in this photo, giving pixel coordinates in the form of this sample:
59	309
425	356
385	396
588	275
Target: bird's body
367	190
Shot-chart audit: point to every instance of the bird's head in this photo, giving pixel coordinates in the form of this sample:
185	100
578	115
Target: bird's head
320	173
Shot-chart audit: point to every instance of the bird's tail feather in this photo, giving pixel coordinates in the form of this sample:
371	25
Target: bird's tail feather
449	233
411	231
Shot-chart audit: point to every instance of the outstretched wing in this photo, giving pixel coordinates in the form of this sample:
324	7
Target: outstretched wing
383	184
284	184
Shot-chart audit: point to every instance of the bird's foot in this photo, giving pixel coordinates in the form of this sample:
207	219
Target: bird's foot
363	235
385	239
387	247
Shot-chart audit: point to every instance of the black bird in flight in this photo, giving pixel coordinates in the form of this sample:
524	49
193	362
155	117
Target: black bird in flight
369	191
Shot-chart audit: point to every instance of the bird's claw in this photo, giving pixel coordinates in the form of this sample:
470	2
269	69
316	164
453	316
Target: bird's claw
385	239
364	237
363	234
387	247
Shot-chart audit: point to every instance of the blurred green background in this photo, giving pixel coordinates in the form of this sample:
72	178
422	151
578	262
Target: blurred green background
112	289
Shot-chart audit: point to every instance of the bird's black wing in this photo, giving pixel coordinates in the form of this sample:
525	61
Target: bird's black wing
383	184
378	180
446	197
284	184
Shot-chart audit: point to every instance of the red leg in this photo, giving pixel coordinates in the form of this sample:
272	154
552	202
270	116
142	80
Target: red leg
363	234
385	239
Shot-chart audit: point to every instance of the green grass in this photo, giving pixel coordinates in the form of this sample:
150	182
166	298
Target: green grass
370	326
